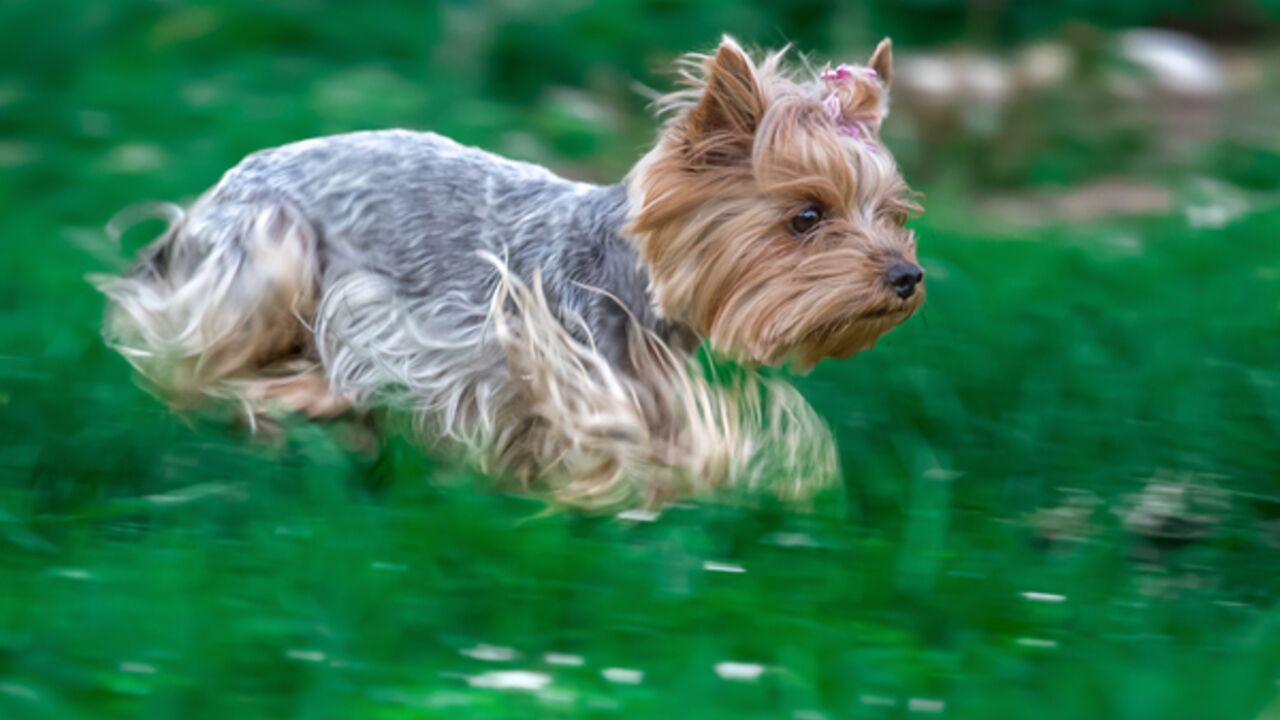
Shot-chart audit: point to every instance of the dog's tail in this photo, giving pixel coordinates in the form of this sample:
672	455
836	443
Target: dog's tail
219	303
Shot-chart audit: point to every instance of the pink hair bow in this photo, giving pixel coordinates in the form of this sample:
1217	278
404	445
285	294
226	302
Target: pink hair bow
840	80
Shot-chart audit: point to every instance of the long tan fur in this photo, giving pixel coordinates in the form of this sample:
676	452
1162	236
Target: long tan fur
218	323
595	437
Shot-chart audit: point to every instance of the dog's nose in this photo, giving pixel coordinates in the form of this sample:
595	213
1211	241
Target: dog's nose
903	277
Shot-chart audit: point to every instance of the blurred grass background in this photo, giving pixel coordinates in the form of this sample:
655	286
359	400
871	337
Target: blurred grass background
1061	496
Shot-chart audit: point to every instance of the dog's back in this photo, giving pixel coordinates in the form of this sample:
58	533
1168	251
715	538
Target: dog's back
330	271
398	201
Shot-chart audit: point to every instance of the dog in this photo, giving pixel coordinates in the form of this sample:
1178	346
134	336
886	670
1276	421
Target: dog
550	327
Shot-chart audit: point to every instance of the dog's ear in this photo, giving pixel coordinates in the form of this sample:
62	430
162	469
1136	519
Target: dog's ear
882	61
731	106
859	94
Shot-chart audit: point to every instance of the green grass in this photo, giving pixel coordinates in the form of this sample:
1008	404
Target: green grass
154	567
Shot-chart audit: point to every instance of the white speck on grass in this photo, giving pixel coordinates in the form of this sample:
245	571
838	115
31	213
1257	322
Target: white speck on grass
602	704
74	574
1214	204
638	515
445	698
137	668
942	474
877	701
199	491
712	566
448	698
510	680
623	676
19	691
1044	597
558	696
791	539
807	715
564	659
490	653
202	94
739	671
313	656
930	706
134	158
1037	642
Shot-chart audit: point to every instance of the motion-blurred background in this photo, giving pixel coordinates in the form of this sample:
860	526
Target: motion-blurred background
1061	494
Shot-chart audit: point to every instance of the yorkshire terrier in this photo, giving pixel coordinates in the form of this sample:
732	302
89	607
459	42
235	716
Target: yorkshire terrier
549	326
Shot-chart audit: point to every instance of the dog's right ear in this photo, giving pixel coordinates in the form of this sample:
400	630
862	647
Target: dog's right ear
731	106
882	61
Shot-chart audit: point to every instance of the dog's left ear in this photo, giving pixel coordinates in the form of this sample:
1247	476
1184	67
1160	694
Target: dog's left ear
882	61
722	125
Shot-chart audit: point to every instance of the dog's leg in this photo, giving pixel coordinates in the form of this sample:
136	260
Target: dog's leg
598	437
306	393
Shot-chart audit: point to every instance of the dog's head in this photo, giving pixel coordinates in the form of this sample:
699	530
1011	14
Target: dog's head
770	215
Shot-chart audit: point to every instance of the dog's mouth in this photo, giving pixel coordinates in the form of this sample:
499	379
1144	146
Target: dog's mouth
904	311
837	338
857	324
841	339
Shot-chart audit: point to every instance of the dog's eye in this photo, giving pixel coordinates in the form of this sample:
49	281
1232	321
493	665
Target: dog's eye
805	220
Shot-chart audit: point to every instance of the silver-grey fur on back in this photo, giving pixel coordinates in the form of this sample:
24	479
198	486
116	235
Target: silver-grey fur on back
415	209
400	219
